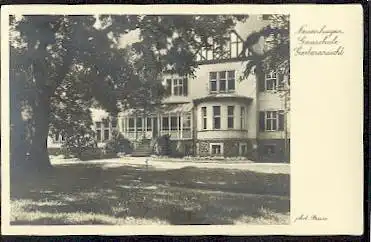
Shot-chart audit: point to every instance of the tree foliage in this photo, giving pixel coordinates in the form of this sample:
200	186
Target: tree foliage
277	49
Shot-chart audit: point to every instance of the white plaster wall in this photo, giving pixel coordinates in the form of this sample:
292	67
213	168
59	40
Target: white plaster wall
199	86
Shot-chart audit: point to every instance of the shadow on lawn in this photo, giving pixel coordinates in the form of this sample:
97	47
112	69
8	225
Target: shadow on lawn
182	196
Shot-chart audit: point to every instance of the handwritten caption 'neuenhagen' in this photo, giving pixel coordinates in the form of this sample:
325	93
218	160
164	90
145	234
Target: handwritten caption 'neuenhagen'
318	41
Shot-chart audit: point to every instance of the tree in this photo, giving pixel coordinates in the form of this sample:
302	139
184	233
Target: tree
55	54
275	56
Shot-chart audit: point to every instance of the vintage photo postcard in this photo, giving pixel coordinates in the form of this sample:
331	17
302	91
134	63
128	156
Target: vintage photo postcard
182	119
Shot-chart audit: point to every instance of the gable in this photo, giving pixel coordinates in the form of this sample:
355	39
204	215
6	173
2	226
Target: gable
233	48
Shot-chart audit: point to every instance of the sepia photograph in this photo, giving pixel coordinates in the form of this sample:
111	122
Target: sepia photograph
149	119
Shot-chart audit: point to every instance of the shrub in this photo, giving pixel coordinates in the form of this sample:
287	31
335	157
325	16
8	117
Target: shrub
118	144
78	144
163	146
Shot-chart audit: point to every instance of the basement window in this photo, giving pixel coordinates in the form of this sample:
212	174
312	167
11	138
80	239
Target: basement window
216	149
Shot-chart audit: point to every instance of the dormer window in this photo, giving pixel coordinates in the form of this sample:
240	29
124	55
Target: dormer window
222	82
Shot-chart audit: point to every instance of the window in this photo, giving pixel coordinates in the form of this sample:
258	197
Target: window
149	124
216	117
168	86
98	131
222	81
243	149
106	129
242	118
213	82
165	123
204	117
271	81
139	124
178	87
187	122
106	123
99	135
269	149
272	120
231	81
236	45
216	149
58	138
131	125
230	117
174	123
106	135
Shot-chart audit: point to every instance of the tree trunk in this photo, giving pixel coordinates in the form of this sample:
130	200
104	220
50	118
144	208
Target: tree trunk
29	135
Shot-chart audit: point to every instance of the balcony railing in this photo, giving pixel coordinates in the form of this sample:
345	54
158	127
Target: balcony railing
174	134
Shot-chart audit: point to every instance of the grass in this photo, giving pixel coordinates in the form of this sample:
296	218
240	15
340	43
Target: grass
89	194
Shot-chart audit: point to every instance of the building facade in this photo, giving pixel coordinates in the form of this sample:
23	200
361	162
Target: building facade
218	112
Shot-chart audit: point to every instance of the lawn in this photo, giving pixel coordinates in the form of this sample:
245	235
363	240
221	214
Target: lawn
134	194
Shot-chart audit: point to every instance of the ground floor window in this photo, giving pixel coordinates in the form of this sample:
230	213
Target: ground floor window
106	135
173	122
98	133
131	125
272	120
165	123
58	138
269	149
187	122
105	128
242	149
149	124
216	117
230	119
216	149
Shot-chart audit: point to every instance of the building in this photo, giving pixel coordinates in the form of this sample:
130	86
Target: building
215	113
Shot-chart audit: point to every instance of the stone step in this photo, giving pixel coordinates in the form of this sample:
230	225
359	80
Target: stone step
143	149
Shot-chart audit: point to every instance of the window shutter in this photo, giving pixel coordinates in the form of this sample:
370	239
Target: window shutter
261	80
185	87
168	86
281	120
261	121
280	80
